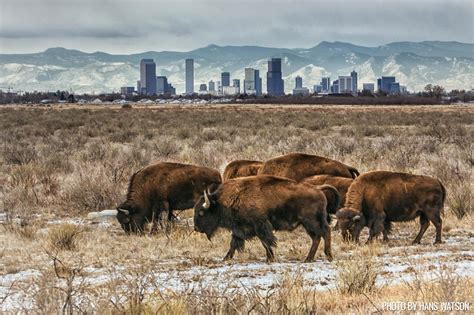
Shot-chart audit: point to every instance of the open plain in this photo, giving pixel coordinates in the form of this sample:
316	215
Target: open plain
60	162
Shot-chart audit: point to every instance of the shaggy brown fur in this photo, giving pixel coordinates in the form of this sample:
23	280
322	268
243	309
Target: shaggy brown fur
340	183
377	198
299	166
163	187
241	168
256	205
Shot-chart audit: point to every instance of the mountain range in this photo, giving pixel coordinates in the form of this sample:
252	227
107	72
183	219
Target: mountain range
415	64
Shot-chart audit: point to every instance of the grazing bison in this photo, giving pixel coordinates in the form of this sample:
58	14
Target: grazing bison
298	166
340	183
163	187
256	205
377	198
241	168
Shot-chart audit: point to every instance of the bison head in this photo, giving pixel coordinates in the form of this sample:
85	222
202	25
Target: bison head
206	218
131	220
350	222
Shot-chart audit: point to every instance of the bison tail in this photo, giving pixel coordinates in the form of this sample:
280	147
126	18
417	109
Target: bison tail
387	225
354	172
443	189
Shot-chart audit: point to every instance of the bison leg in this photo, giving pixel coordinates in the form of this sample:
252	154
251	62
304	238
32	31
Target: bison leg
314	247
376	228
424	224
435	218
263	230
327	244
235	244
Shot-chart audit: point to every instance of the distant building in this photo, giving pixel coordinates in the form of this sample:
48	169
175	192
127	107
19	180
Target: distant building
225	78
161	85
383	84
236	83
354	81
252	82
164	87
147	77
326	84
303	91
394	88
139	87
212	86
127	90
335	87
230	90
298	82
203	88
318	88
275	83
345	84
368	87
189	76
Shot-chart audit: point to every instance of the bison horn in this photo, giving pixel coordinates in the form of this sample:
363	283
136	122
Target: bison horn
356	218
124	211
333	216
207	203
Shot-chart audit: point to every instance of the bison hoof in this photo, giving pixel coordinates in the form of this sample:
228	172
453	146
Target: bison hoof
437	242
415	242
227	258
330	258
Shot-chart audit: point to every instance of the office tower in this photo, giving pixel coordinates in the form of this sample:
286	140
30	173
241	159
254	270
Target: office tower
394	88
318	88
161	85
212	86
127	90
298	82
189	76
147	77
345	84
252	82
236	83
258	83
383	84
335	87
275	84
354	81
225	78
326	84
368	87
203	88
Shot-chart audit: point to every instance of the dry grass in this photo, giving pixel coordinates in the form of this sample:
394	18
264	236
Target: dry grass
57	164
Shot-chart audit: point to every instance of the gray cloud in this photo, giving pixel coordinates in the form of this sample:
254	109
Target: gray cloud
130	26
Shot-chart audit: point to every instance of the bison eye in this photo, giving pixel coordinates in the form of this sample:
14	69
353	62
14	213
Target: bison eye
201	213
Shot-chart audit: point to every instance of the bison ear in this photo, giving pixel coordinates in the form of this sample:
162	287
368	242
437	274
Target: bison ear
356	218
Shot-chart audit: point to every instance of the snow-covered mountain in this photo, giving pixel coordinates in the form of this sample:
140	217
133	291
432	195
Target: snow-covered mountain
415	64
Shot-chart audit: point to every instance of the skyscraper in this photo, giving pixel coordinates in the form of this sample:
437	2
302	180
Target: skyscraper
252	82
161	85
326	83
236	83
345	84
189	76
354	81
212	86
384	83
225	78
298	82
147	77
275	84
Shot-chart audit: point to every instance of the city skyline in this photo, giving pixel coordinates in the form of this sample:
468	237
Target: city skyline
126	27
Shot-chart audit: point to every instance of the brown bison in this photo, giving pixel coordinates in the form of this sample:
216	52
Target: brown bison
241	168
163	187
340	183
298	166
377	198
254	206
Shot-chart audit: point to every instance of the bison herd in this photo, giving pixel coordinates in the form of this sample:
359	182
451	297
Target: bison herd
256	198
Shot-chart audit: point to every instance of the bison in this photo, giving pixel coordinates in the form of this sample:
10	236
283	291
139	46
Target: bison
340	183
163	187
298	166
241	168
376	199
254	206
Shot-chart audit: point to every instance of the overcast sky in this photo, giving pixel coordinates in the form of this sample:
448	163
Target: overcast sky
119	26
